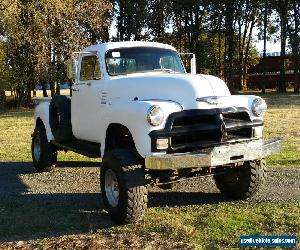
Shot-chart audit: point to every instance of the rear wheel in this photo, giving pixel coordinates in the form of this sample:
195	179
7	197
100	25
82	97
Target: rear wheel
44	154
122	179
244	181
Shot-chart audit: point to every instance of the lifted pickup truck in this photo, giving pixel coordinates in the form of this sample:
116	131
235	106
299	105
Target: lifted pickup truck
135	106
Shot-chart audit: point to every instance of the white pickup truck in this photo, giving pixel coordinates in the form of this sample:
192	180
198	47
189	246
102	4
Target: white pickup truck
134	105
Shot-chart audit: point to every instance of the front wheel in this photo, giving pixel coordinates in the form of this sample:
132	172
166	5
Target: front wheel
244	181
44	154
123	189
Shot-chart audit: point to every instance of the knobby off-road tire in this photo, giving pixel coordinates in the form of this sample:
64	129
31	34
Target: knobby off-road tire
123	189
60	118
242	182
44	154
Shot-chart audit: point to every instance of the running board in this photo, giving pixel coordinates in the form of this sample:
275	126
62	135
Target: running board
89	149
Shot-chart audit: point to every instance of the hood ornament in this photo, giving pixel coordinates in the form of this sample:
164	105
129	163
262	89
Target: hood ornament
213	100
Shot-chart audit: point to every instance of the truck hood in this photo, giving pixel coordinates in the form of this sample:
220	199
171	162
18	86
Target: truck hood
184	89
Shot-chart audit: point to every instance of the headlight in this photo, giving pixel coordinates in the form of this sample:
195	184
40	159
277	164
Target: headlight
155	116
259	106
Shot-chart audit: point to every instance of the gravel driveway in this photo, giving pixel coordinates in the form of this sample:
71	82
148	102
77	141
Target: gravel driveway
82	178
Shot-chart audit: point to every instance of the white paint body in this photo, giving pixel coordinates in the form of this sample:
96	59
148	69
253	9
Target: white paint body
111	99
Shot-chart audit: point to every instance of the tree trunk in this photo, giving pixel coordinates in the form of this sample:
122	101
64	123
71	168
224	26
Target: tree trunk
263	90
245	70
219	54
45	94
52	88
27	98
2	99
283	37
57	89
229	36
295	46
71	90
296	75
246	21
21	97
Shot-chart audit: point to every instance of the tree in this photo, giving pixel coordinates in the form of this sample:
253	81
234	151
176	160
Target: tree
295	42
265	25
131	19
218	32
247	17
282	8
5	74
40	35
69	26
230	9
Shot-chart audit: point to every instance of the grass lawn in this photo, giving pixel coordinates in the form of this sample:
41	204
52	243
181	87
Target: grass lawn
202	226
283	119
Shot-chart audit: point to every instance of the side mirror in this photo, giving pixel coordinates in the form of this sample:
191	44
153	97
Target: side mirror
192	58
71	69
193	65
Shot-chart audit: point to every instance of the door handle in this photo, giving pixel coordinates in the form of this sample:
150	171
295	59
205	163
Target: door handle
75	90
88	84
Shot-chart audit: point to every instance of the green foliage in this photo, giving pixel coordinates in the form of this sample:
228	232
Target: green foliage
39	36
220	34
5	71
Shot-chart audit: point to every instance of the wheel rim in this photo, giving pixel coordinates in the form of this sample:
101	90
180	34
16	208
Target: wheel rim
111	188
37	147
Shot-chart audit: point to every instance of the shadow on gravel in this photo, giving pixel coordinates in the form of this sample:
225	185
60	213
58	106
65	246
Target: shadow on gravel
34	216
10	182
172	199
27	166
28	216
78	164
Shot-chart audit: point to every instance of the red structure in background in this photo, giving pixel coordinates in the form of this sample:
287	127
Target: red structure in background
272	63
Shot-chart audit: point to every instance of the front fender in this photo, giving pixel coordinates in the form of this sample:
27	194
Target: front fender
133	115
42	112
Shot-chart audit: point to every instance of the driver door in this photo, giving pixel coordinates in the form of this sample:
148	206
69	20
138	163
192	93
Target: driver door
85	104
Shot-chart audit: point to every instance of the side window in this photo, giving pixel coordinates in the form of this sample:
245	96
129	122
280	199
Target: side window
90	68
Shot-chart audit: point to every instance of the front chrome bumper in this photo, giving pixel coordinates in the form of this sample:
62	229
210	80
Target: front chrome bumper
217	156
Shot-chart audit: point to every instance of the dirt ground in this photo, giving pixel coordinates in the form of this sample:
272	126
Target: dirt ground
19	178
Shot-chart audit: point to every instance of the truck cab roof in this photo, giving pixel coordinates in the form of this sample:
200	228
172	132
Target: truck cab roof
103	47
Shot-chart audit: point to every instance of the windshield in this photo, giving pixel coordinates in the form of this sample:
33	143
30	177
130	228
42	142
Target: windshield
142	59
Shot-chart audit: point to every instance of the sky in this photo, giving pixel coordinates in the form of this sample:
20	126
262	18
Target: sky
271	47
